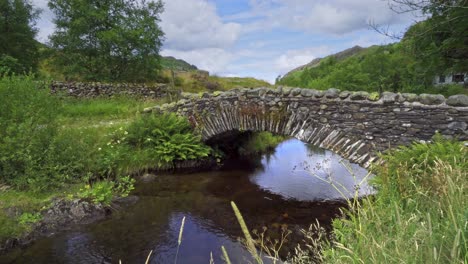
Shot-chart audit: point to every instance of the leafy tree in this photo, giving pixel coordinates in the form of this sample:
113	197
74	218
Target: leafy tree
18	49
440	41
110	40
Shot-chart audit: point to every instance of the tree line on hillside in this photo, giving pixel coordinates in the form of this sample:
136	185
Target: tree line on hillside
433	47
111	40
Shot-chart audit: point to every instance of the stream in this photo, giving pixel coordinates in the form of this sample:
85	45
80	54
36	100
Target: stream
287	189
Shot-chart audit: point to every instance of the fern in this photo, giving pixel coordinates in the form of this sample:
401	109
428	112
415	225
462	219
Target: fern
165	139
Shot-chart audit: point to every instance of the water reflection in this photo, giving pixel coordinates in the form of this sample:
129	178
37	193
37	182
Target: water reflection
308	173
273	191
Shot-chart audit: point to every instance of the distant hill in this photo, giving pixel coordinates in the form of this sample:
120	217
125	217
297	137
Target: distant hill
338	56
391	67
171	63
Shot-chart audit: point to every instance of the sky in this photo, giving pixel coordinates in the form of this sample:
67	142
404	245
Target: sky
263	38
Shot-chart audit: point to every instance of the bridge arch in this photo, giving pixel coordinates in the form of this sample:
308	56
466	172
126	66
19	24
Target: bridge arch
355	125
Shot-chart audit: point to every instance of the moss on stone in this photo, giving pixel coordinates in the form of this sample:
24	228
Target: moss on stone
374	96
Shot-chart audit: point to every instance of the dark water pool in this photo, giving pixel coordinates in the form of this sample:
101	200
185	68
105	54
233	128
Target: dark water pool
274	191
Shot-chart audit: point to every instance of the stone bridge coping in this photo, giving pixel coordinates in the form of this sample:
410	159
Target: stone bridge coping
459	100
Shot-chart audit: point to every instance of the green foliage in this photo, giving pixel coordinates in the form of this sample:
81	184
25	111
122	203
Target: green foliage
116	40
446	90
195	82
421	160
100	193
18	49
439	41
124	185
27	132
394	67
172	63
9	65
29	218
418	214
165	139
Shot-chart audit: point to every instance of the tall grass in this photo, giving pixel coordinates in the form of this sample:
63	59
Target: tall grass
179	240
418	215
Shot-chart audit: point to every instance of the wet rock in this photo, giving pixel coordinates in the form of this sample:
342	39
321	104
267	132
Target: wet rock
458	100
148	177
63	212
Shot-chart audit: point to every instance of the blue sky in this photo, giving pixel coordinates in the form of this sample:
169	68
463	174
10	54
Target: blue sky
263	38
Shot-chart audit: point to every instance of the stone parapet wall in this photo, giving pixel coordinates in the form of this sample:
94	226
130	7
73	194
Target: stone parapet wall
97	89
354	124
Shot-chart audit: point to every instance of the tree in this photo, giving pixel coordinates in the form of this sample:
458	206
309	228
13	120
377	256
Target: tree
18	49
107	40
441	40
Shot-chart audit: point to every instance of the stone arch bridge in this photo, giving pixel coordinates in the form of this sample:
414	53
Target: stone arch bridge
355	125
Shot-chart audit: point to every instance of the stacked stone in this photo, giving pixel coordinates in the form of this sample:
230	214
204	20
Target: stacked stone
354	124
97	89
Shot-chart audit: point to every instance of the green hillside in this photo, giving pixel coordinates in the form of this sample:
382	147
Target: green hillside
390	67
172	63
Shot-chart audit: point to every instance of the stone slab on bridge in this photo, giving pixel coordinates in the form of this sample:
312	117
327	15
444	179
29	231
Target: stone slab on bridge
356	125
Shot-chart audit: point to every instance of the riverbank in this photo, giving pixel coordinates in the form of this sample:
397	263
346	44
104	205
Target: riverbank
80	148
417	216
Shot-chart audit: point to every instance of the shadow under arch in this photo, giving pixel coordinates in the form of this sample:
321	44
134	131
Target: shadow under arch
231	119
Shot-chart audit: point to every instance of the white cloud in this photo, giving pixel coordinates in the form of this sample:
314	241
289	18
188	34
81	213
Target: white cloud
331	16
194	24
214	60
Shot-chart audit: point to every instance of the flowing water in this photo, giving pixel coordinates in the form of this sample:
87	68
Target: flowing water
289	188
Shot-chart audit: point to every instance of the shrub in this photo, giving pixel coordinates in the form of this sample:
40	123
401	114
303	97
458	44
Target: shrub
100	192
165	139
27	130
124	186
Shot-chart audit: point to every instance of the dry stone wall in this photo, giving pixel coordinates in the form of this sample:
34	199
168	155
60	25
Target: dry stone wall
355	125
97	89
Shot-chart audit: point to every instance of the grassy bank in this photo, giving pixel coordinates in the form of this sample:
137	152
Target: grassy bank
419	214
78	148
